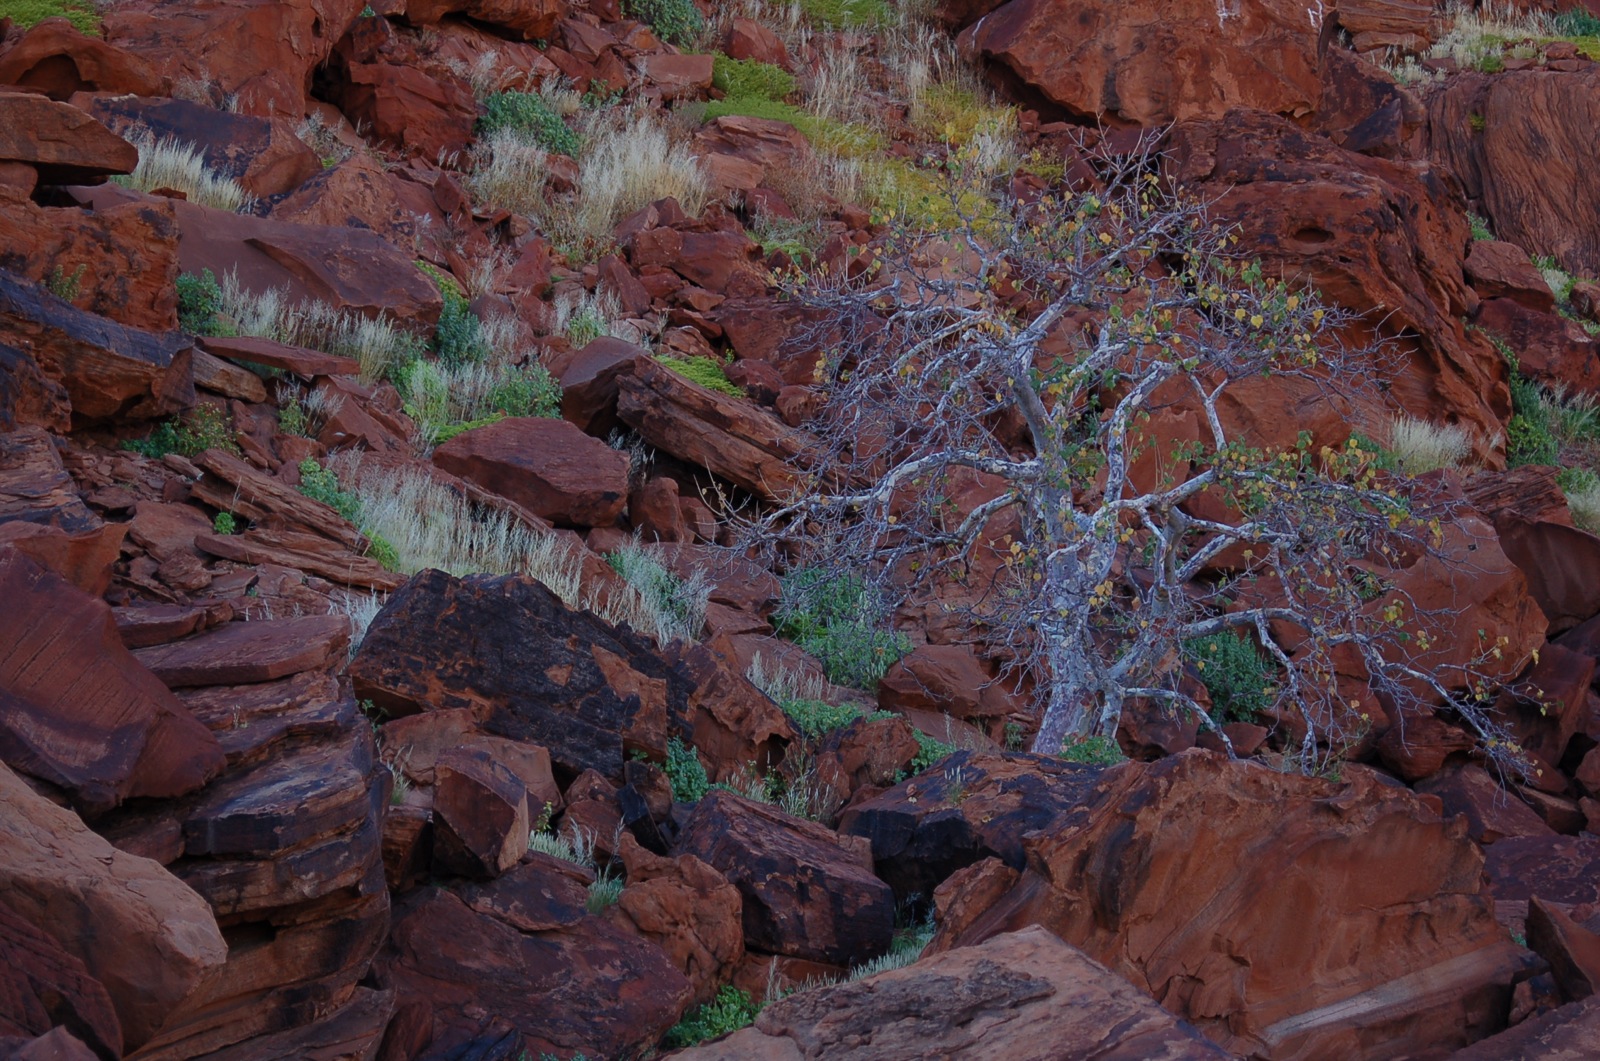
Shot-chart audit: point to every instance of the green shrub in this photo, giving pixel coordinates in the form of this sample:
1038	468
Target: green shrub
64	285
321	484
840	620
383	551
531	114
29	13
1530	438
203	427
930	750
586	325
1236	674
731	1010
750	78
686	772
1577	23
458	337
818	718
1480	228
224	523
678	21
532	392
1096	751
706	371
199	303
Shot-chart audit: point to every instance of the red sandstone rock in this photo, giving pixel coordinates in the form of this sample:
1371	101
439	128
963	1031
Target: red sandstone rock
589	383
427	116
81	713
749	39
1565	1034
808	892
63	143
136	928
869	755
529	19
1503	270
1220	888
974	807
1147	63
261	52
1550	349
54	58
1489	129
687	909
1535	527
519	961
263	155
42	517
731	438
1572	950
1375	237
109	371
1020	995
480	815
42	985
547	466
250	652
1492	813
29	398
1557	869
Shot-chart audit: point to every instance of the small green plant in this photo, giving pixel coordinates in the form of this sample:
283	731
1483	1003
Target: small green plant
203	427
908	945
1239	677
199	303
605	891
729	1011
845	14
1015	737
530	115
65	286
1577	23
1480	228
676	21
930	750
674	607
1096	751
1477	122
686	773
458	337
585	325
321	484
531	392
840	620
224	523
818	718
750	78
1529	436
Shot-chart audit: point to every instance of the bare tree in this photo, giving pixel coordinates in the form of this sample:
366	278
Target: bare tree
1004	402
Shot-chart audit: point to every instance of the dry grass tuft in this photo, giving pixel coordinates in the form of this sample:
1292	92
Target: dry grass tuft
1419	447
173	164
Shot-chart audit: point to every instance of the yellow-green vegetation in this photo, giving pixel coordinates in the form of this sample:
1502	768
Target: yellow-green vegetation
957	114
201	428
847	14
29	13
750	78
706	371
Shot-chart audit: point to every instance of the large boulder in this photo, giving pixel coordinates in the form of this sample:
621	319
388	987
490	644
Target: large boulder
975	806
531	669
547	466
122	261
520	964
808	892
1146	63
42	985
1522	144
42	516
80	712
261	53
1023	995
530	20
1285	915
1379	238
109	371
135	927
56	59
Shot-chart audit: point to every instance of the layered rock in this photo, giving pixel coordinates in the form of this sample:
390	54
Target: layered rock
1285	915
530	669
1023	995
808	892
547	466
1490	128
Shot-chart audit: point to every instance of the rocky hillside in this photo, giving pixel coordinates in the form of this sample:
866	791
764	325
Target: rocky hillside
421	635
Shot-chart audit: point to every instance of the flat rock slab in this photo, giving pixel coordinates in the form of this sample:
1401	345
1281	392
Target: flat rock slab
1022	996
547	466
63	143
238	653
296	360
254	721
1557	869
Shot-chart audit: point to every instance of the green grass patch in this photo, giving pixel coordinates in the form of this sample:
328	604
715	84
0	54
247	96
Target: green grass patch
677	21
706	371
1094	751
750	78
29	13
686	772
847	14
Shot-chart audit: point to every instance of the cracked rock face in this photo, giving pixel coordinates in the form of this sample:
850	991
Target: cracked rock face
1286	916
